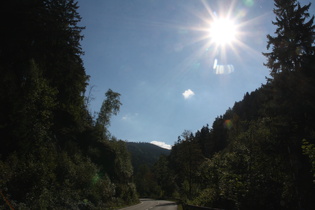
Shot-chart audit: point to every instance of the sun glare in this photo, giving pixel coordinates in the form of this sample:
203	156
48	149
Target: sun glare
222	31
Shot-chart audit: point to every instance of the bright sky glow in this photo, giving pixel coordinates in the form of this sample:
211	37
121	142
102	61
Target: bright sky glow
223	31
160	54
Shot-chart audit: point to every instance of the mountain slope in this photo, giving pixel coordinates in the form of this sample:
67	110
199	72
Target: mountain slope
145	153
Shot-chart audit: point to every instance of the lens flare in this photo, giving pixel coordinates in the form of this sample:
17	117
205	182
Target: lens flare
228	124
248	3
241	13
215	64
224	69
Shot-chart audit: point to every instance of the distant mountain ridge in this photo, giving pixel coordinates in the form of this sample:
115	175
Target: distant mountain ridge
145	153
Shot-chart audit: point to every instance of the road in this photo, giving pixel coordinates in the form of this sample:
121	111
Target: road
149	204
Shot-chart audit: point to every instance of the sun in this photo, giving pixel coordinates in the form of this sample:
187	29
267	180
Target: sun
222	31
219	36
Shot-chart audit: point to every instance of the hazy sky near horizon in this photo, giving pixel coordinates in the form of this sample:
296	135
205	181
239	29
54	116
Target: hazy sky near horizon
171	75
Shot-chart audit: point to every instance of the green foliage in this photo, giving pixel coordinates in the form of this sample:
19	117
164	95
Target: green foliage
146	183
164	178
40	101
52	154
45	178
309	150
110	106
152	177
246	174
185	162
125	190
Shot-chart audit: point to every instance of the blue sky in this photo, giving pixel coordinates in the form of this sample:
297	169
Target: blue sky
158	55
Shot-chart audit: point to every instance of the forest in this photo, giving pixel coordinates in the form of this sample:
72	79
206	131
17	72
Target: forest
54	154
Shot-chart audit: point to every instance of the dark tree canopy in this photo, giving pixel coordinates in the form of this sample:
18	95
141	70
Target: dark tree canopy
52	154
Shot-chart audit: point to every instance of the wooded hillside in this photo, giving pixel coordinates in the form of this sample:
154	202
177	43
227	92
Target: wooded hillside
53	154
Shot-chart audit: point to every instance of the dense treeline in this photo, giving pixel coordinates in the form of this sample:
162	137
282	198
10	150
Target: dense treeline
53	153
260	153
143	158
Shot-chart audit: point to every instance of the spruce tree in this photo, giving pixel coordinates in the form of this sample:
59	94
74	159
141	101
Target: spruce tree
294	37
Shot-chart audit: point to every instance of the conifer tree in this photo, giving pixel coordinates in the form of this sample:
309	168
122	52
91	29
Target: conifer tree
294	38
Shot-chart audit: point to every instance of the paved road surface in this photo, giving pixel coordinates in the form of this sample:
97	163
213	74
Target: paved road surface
149	204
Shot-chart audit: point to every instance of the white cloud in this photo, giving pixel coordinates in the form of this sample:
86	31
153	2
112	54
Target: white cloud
161	144
188	94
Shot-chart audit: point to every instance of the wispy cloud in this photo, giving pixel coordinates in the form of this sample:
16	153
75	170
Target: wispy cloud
128	117
188	94
161	144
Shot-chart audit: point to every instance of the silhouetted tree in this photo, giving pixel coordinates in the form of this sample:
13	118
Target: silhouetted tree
110	106
294	39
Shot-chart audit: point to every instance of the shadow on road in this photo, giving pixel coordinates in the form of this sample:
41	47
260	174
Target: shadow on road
166	204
